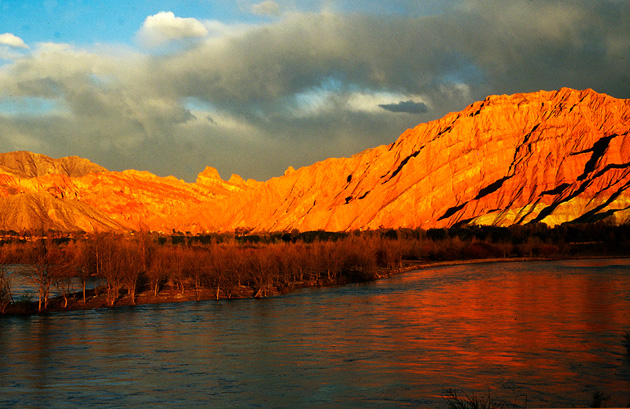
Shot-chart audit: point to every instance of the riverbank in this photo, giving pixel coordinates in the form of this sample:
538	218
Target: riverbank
97	298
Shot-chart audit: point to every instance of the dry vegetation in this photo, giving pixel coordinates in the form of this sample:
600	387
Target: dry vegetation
181	267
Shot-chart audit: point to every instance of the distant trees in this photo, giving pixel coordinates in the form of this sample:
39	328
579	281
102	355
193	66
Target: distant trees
224	266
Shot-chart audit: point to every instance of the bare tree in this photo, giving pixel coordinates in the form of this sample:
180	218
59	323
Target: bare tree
84	261
261	266
131	263
235	269
177	266
156	271
287	263
64	271
200	269
218	268
40	272
333	260
6	298
110	268
89	256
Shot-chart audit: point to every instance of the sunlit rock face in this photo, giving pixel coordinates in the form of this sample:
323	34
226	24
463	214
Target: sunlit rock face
549	157
28	165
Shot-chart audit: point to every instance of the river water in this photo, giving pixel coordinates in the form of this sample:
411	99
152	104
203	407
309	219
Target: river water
544	334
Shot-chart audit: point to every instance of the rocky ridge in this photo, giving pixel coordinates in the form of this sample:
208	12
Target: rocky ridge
549	156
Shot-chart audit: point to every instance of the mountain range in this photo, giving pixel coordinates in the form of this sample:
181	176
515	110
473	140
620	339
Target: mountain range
549	156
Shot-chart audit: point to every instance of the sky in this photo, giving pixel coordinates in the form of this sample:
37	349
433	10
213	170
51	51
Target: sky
252	87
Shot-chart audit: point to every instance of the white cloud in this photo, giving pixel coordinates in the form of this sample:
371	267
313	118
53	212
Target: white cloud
318	101
266	8
164	27
12	41
373	102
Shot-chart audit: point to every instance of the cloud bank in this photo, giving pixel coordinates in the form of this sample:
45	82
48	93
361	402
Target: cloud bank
266	8
256	98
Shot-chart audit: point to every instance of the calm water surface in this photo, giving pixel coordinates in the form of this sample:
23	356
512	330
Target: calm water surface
547	332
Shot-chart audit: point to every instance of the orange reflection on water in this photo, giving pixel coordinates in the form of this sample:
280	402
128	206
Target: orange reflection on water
491	326
548	331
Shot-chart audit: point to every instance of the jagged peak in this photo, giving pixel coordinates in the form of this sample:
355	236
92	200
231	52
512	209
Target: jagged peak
236	179
209	174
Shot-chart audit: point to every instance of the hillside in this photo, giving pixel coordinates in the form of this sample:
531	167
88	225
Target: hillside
549	157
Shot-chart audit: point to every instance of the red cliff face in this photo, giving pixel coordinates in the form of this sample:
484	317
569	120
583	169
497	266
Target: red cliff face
549	157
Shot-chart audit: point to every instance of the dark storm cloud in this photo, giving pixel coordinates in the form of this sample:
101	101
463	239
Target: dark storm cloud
489	46
409	107
307	86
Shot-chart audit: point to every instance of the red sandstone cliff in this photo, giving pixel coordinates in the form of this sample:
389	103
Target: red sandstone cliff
549	157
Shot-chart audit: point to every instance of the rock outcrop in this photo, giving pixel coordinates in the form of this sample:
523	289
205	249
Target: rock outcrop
29	165
551	157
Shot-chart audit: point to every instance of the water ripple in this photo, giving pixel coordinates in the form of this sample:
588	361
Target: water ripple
549	331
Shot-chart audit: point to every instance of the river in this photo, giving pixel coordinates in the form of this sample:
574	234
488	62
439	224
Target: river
544	334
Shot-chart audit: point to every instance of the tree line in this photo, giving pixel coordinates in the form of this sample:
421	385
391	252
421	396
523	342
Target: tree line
263	264
127	265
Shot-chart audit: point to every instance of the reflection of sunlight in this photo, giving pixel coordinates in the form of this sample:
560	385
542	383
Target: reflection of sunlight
549	331
502	326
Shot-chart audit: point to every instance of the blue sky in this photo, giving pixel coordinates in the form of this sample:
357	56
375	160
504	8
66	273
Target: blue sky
84	23
88	22
254	86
